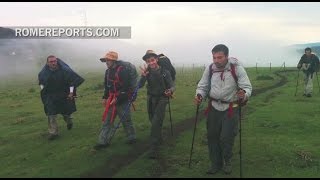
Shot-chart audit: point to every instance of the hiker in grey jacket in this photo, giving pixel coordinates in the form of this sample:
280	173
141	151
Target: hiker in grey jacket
225	83
160	87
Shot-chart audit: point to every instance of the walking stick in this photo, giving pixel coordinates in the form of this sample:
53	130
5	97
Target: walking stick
170	115
240	153
318	80
295	94
194	131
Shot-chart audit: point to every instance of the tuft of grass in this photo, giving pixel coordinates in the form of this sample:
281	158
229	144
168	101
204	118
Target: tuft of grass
31	90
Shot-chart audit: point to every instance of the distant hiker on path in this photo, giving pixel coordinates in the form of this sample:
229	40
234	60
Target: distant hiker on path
58	83
309	63
226	83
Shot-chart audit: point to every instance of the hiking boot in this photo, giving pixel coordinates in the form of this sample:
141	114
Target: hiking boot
131	141
69	126
308	95
227	168
52	136
100	146
213	170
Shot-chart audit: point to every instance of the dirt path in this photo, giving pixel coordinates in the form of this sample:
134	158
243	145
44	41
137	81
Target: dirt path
114	165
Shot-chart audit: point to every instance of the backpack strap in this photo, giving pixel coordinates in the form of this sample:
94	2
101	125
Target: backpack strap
163	81
112	96
116	79
210	71
233	73
235	77
210	75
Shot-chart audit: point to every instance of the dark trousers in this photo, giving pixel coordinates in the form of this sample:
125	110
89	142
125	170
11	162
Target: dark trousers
156	110
222	131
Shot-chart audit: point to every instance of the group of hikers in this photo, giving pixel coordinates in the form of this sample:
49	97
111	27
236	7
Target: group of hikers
224	83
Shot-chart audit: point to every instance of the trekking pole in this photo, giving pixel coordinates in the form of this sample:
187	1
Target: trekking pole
295	94
240	153
318	81
194	131
170	115
123	116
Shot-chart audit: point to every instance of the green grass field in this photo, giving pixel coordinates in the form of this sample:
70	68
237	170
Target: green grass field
279	132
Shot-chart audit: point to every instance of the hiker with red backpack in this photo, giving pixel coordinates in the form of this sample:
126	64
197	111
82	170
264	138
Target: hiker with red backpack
115	99
226	84
160	86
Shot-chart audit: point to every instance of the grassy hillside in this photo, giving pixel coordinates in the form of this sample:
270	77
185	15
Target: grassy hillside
279	133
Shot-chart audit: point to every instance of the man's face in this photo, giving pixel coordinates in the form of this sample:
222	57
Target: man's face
110	63
219	59
152	62
308	53
52	63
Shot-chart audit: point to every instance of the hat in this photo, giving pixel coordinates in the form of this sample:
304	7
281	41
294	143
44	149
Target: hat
148	54
111	55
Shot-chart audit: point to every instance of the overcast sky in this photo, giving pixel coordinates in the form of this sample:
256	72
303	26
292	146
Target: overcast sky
187	32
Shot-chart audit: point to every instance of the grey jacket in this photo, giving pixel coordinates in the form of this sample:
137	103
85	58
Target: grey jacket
223	87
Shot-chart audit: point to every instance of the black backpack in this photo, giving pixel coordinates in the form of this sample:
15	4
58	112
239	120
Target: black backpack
165	63
133	74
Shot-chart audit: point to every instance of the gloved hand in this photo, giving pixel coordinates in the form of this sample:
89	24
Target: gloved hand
242	97
305	66
168	93
299	66
197	99
70	96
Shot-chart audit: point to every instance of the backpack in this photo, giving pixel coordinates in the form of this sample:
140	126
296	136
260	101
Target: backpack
165	63
133	74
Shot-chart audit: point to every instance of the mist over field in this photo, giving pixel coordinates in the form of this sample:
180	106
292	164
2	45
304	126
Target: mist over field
256	33
22	56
